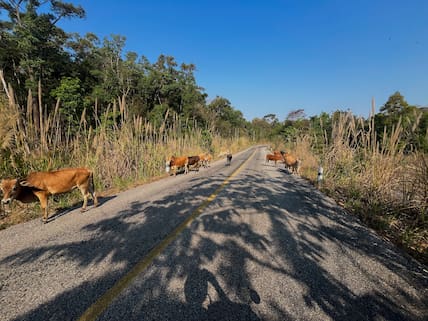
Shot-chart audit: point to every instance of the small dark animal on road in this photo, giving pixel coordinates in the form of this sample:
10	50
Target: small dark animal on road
228	158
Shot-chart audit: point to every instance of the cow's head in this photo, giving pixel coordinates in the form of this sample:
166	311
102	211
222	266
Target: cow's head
10	189
168	164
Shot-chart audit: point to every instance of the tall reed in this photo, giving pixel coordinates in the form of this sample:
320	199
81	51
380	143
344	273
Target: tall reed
379	181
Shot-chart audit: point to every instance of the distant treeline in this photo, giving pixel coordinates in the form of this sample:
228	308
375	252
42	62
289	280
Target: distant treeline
409	122
49	68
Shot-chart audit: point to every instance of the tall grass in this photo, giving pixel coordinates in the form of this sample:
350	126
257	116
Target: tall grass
377	180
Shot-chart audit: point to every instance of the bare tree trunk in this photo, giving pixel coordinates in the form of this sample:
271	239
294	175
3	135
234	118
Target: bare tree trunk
5	87
36	114
29	113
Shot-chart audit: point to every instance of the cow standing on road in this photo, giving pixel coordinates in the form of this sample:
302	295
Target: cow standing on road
40	185
194	161
205	159
292	163
174	163
274	157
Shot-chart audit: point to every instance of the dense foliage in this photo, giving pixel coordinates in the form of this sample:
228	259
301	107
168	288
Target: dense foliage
395	113
47	67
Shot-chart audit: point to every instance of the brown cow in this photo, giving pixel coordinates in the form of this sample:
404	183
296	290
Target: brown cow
195	162
274	157
173	163
40	185
292	163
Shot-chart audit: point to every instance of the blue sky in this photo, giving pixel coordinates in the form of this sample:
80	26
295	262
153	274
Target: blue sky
273	56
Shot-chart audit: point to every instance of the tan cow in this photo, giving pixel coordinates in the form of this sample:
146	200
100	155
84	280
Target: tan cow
40	185
292	163
205	159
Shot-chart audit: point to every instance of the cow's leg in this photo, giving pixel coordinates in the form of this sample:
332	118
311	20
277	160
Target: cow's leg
43	198
91	189
86	192
84	189
85	202
94	197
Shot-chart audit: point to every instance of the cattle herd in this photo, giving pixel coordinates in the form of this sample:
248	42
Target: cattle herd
38	186
174	163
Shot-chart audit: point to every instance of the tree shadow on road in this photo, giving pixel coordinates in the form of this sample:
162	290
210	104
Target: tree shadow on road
61	211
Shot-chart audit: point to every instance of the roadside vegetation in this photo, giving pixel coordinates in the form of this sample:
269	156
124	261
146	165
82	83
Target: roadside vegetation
381	181
69	100
376	168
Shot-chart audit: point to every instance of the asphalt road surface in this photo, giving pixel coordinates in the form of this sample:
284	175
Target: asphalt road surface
247	241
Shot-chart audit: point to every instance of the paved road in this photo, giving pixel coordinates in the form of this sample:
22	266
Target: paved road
263	245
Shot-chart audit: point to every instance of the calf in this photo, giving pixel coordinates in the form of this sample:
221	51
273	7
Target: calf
40	185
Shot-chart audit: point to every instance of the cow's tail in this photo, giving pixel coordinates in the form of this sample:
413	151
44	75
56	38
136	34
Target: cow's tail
92	188
91	180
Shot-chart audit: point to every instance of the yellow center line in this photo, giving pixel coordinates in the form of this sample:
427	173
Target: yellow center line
95	310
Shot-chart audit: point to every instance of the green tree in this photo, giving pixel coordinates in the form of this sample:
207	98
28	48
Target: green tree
224	119
36	56
320	129
271	119
394	105
294	125
260	129
69	94
193	98
422	131
396	111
